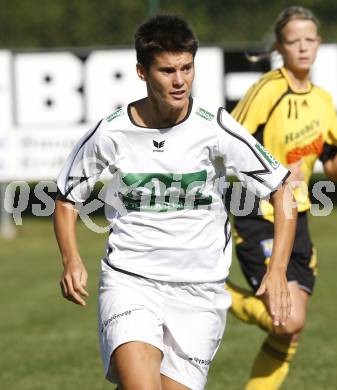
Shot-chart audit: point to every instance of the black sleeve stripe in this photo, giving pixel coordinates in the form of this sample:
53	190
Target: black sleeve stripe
287	92
228	233
74	184
328	152
62	197
258	134
90	135
281	182
285	177
253	174
249	98
83	143
253	96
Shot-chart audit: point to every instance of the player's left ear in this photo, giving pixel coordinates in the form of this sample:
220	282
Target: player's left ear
141	71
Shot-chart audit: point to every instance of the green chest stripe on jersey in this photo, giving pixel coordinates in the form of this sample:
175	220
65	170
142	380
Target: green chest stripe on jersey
115	114
267	156
162	192
204	114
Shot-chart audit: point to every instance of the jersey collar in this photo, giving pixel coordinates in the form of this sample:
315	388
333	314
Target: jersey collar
291	85
190	105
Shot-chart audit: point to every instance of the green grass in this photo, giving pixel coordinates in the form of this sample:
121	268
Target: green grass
314	367
48	343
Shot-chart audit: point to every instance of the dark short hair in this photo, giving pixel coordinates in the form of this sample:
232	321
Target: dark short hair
163	33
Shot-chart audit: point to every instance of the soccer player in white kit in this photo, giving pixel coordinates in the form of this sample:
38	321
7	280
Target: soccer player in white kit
162	303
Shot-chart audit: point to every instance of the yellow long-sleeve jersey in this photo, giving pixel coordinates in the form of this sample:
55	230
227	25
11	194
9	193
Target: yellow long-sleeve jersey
293	125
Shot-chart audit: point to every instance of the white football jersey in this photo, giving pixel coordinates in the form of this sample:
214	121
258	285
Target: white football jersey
171	223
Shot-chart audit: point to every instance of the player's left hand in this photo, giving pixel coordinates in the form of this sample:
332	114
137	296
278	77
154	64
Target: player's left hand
275	287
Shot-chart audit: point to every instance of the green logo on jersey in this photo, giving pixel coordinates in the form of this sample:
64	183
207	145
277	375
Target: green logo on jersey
267	156
205	114
115	114
162	192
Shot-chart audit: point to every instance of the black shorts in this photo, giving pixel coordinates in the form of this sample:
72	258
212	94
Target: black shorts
254	240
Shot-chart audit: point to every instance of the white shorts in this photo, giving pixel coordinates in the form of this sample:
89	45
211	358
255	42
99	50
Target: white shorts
185	321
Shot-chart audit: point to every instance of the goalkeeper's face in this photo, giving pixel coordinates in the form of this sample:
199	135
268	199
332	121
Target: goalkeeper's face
299	45
169	80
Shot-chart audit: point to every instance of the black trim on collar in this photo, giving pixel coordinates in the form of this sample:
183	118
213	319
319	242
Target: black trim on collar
189	110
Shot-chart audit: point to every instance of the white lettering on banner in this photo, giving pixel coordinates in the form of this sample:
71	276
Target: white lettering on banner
40	154
111	81
48	89
58	97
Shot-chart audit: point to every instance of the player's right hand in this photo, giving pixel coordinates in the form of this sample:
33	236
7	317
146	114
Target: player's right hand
74	281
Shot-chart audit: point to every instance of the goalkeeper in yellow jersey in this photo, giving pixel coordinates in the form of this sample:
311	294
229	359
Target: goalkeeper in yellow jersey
296	122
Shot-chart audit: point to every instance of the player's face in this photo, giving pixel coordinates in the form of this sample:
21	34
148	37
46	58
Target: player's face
299	45
169	79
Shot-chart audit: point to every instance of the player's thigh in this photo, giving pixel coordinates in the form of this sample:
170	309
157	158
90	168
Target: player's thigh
137	365
195	318
299	302
126	314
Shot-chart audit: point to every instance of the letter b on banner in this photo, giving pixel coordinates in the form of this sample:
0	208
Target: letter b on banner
48	89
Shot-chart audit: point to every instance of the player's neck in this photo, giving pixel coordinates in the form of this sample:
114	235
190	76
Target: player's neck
300	80
149	113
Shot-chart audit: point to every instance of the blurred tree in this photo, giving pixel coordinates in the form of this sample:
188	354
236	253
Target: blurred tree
64	23
57	23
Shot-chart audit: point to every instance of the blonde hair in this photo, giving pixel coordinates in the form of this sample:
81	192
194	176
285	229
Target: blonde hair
292	13
295	12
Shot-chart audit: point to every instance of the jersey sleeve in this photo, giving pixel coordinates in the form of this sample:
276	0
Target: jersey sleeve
254	108
254	166
330	144
90	156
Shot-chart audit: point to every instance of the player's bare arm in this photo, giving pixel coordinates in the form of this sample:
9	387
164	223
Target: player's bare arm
274	284
296	174
74	277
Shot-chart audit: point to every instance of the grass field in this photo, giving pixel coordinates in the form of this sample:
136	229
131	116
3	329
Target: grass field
47	343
